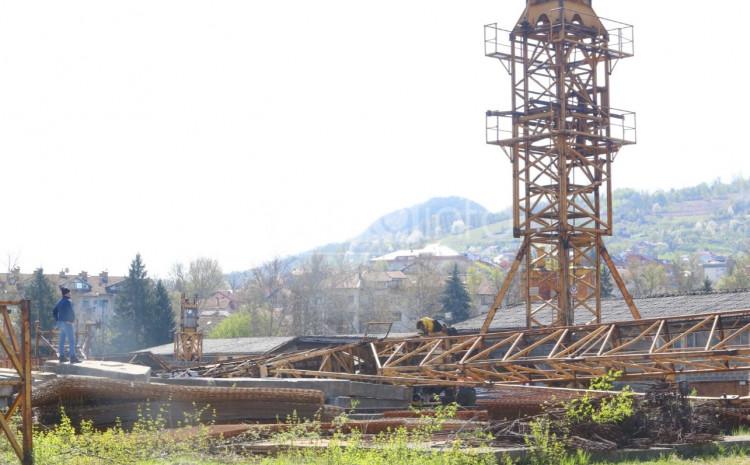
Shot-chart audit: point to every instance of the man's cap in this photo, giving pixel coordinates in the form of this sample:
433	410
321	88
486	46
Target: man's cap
64	290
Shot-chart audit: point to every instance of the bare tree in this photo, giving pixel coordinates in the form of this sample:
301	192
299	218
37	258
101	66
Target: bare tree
178	278
426	286
266	298
204	277
307	297
687	274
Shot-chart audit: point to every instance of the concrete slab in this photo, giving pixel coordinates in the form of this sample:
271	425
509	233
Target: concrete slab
113	370
7	374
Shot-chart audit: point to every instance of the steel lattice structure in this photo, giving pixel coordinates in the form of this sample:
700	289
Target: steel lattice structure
561	136
641	349
188	341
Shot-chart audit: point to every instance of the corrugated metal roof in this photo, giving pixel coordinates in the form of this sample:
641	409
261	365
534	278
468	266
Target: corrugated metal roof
267	345
617	310
240	345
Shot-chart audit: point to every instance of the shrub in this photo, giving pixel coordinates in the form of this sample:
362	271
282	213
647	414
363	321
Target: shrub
611	410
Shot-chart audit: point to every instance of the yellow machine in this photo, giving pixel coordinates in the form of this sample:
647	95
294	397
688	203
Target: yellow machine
431	327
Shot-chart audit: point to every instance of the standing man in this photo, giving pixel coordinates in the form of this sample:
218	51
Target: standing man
64	315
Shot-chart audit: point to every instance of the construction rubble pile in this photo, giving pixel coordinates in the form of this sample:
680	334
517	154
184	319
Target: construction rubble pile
249	412
662	416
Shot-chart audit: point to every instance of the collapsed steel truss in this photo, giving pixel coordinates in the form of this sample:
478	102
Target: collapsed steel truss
561	136
658	348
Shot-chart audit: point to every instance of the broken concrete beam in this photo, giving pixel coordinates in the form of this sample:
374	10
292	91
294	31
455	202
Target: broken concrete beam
103	400
112	370
87	390
332	388
176	413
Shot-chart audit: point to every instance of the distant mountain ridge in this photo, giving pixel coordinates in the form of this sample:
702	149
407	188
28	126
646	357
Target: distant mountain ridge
432	219
415	226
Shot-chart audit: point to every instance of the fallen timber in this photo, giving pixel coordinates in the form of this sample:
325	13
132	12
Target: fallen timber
659	348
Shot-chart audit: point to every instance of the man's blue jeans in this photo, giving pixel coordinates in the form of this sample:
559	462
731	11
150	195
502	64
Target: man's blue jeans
67	331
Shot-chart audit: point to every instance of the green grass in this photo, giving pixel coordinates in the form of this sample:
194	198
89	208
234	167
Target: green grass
733	459
147	444
380	459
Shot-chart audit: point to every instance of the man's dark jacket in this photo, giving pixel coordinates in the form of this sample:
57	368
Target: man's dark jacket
64	310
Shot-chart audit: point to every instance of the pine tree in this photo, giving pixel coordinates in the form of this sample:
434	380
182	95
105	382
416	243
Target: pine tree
132	316
43	297
456	300
606	282
162	324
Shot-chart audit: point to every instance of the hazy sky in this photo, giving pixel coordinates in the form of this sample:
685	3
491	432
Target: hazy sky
241	130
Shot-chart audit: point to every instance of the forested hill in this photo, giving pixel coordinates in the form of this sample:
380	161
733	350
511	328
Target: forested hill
666	224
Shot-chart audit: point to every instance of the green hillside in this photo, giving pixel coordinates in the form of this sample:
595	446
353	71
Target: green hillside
666	224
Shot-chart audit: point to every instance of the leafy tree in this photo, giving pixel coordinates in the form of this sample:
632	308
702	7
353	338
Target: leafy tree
161	329
654	279
456	300
739	278
606	282
237	325
132	316
43	297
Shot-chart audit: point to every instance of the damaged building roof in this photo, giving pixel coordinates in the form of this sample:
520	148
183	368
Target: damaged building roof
235	346
243	346
617	310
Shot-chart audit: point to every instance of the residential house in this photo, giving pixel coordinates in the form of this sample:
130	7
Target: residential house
436	254
715	270
217	307
94	297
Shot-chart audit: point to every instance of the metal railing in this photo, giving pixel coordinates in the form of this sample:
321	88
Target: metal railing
622	127
618	37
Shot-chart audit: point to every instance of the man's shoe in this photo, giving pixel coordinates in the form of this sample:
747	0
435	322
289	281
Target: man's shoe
63	359
74	360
